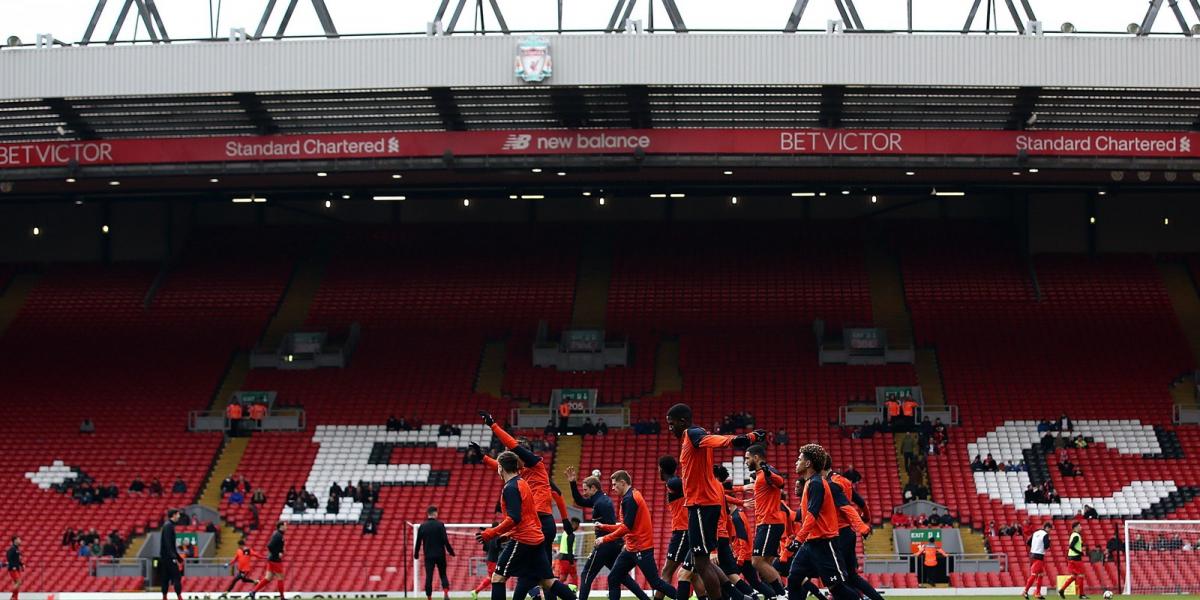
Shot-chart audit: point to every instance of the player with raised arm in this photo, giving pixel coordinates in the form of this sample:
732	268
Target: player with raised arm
523	556
768	488
534	472
604	555
820	507
850	526
1038	545
637	529
1074	562
703	495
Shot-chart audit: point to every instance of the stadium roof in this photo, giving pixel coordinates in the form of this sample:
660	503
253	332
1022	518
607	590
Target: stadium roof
602	81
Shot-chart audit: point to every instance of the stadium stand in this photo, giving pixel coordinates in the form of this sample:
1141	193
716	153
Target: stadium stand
1102	346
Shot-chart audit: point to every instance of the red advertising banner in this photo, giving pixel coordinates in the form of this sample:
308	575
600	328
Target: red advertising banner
611	141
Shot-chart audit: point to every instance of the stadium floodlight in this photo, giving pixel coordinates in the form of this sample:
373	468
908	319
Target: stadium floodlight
1092	220
678	195
602	201
37	231
948	194
532	197
845	192
729	172
1033	170
803	194
397	176
70	180
104	229
587	193
1067	27
1017	173
345	196
535	170
243	200
114	182
733	200
322	174
388	198
658	195
466	202
910	173
874	199
214	180
329	204
1166	221
513	196
561	173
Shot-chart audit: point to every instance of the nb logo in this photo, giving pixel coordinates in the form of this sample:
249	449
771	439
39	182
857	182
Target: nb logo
517	142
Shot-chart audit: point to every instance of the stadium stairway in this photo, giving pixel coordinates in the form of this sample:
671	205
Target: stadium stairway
888	308
568	451
591	286
235	377
490	379
293	308
929	376
667	377
881	541
13	297
972	541
1182	292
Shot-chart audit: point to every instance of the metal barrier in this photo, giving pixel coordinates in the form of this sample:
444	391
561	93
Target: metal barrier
536	418
961	562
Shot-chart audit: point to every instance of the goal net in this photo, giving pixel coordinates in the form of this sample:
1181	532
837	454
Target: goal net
468	568
1162	557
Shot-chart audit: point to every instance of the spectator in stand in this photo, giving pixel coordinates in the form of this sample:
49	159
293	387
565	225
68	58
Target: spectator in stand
977	463
1065	423
909	448
991	528
549	429
254	516
989	464
589	428
85	551
333	505
1047	443
292	496
1060	442
87	426
445	429
393	424
1096	555
234	413
237	498
258	498
69	537
350	492
310	500
602	428
1068	469
156	487
258	412
1031	495
137	486
1089	512
335	490
473	456
852	474
179	487
1043	426
1079	442
403	425
781	438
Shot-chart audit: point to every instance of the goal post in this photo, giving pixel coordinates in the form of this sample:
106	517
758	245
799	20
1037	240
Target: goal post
1162	557
468	567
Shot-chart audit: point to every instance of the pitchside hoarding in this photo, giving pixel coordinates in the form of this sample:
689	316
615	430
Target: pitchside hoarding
609	141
